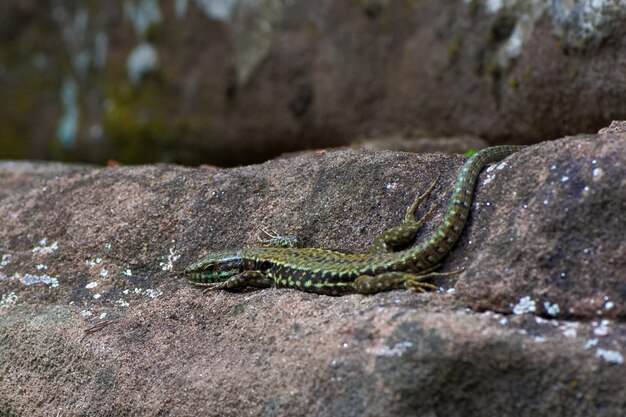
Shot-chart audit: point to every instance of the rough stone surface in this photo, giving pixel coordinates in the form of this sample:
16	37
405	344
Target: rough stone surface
229	82
459	144
569	260
96	320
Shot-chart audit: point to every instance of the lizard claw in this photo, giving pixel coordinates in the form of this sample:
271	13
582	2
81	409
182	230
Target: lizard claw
419	286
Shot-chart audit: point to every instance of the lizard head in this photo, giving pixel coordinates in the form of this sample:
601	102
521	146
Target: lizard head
215	267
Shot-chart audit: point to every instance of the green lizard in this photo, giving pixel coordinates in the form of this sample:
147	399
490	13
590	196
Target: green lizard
333	272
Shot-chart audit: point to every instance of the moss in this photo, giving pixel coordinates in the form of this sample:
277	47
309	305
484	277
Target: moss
134	124
12	141
493	71
23	98
572	72
155	33
454	49
513	83
527	74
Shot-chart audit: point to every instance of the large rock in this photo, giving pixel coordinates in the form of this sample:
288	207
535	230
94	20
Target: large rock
235	81
95	318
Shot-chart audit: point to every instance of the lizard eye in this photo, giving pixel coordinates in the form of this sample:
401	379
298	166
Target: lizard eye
209	268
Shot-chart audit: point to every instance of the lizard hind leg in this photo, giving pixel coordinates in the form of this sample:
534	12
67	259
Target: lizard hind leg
400	236
410	212
416	282
367	284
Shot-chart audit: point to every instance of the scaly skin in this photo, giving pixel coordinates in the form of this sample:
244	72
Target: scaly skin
331	272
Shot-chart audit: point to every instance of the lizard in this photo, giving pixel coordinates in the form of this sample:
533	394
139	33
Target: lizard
281	264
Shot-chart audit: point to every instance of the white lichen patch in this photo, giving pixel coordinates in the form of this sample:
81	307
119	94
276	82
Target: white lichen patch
107	246
41	267
569	329
102	315
5	260
93	262
551	309
127	272
597	173
590	343
142	60
104	272
609	305
142	14
44	249
396	351
152	293
602	328
29	279
97	296
611	356
68	124
149	292
525	305
122	303
86	313
564	178
569	333
493	6
586	22
170	259
501	165
221	10
180	8
8	299
91	285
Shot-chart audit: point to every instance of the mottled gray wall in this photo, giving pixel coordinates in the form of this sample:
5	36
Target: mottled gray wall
236	81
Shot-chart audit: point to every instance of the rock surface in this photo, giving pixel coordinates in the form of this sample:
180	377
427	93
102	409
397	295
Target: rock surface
230	82
96	320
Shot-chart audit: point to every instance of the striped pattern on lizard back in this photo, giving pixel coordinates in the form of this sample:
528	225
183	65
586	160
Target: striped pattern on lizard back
334	272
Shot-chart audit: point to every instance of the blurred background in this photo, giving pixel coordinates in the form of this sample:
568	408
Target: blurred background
230	82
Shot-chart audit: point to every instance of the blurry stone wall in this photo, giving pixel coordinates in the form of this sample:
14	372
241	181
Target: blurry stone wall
238	81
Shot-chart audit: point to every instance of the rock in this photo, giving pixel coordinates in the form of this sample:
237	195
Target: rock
551	236
617	126
95	318
458	144
235	82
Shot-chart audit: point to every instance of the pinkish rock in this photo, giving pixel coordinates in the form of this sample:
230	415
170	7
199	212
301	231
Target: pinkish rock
95	318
